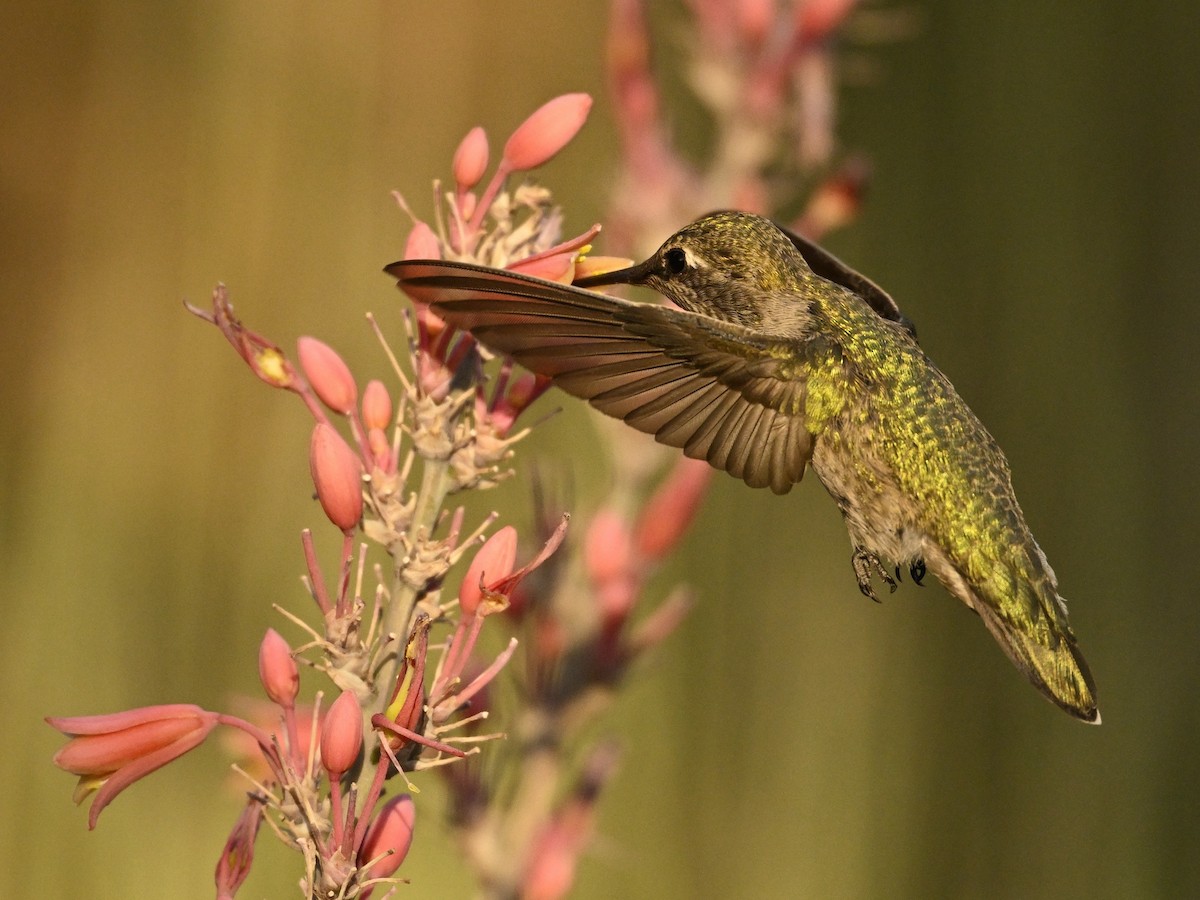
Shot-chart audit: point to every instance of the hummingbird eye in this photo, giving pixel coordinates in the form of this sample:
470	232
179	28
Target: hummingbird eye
676	260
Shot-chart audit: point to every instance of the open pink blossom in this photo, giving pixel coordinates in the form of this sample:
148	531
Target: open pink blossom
111	752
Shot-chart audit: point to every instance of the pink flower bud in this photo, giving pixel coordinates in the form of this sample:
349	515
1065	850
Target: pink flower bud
381	449
470	159
341	735
337	476
546	131
277	669
671	510
422	243
376	405
392	831
329	375
608	548
494	562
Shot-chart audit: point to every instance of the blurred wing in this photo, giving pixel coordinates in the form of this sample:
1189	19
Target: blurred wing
715	390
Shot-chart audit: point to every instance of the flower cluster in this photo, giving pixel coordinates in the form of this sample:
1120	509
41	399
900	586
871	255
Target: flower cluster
406	700
412	686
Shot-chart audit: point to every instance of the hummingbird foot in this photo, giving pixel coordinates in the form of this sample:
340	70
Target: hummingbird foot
865	564
916	569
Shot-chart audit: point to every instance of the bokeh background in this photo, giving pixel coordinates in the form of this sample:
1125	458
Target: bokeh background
1035	209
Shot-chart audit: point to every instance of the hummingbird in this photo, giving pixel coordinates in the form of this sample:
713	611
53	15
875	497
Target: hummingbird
775	357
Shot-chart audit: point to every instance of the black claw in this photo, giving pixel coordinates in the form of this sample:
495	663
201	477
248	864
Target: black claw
865	564
917	571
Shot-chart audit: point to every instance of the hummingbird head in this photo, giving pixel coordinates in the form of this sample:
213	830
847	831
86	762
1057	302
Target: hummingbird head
729	265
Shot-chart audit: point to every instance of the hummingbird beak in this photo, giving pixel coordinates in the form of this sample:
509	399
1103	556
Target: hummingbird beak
630	275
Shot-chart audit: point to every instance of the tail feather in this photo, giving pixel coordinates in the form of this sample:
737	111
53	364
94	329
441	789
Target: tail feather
1054	665
1038	640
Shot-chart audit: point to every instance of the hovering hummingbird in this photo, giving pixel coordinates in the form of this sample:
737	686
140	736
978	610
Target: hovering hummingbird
780	356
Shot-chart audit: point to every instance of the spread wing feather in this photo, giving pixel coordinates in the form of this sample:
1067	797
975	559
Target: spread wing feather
714	389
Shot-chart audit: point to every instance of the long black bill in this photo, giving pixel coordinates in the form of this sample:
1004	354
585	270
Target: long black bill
630	275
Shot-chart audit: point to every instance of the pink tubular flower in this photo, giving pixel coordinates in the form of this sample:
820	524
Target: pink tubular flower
670	511
470	159
328	374
545	132
337	476
387	840
516	396
494	561
341	735
277	669
376	405
111	752
560	267
608	547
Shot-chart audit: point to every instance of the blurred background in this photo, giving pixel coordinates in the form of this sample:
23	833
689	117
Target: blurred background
1035	208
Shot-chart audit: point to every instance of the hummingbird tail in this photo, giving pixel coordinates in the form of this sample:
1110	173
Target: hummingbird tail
1049	659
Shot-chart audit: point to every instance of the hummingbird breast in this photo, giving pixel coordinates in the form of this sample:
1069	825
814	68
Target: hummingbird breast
906	460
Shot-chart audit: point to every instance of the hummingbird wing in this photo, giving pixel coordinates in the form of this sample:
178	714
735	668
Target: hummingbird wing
714	389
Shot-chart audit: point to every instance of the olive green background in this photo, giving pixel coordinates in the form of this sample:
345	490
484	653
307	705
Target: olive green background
1035	209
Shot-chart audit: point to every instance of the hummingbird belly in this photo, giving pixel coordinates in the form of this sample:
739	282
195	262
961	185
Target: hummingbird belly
879	517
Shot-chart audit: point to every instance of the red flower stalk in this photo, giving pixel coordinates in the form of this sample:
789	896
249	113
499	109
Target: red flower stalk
111	752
